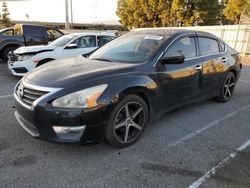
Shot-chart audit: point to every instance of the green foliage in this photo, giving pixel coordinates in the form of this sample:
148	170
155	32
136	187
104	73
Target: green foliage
143	13
235	8
158	13
5	20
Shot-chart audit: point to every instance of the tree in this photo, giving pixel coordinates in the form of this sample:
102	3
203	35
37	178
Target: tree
158	13
130	13
5	20
143	13
234	8
177	12
211	12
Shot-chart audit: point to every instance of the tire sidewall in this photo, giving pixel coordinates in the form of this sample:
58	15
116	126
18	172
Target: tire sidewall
109	131
222	97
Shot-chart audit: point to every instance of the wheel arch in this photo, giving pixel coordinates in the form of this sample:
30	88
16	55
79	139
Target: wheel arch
43	61
233	70
143	93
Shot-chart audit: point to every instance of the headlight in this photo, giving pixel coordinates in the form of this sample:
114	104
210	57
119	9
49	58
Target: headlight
23	57
86	98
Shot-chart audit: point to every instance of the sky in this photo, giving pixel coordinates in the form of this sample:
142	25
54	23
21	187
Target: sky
84	11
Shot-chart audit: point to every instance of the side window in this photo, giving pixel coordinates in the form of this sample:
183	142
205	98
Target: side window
103	40
9	32
184	46
53	34
208	46
85	42
223	46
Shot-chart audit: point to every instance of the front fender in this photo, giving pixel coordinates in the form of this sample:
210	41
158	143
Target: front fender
141	85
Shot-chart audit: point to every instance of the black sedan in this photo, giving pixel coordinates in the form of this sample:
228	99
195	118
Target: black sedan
116	91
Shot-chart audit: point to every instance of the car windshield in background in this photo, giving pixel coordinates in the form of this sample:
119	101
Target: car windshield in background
135	48
62	41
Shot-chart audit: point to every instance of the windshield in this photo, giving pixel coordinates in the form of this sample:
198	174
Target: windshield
62	41
131	48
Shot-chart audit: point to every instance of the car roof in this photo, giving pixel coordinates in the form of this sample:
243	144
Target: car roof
92	33
167	32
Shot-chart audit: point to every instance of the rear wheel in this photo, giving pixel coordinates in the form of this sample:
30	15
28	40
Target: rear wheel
227	88
127	122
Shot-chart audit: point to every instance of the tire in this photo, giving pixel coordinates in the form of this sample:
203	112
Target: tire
127	121
227	88
6	52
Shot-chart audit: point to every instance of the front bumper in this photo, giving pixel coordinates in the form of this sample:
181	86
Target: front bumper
39	122
20	68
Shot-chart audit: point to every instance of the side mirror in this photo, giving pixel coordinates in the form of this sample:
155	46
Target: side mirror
71	46
173	60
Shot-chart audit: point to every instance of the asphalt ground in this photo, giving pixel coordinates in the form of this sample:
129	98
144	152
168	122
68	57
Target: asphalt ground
200	145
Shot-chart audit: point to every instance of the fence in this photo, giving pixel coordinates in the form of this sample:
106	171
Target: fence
237	36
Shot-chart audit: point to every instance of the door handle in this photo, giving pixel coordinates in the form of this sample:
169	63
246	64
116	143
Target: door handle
198	67
224	60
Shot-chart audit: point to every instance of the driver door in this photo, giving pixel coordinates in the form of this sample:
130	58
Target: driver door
84	45
179	83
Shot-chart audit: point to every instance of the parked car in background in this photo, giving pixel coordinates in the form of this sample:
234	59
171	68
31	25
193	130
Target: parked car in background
25	59
26	35
118	89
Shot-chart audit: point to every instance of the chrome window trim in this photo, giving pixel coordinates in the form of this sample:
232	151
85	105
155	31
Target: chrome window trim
207	55
225	51
40	88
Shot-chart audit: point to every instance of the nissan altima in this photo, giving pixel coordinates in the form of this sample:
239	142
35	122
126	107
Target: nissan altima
115	92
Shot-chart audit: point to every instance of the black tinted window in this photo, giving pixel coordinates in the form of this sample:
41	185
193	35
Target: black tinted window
104	39
53	33
184	46
208	46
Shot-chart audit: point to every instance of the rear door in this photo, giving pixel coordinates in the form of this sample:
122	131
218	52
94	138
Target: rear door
213	58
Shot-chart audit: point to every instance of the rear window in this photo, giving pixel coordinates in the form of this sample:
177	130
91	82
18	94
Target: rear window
104	39
33	31
208	46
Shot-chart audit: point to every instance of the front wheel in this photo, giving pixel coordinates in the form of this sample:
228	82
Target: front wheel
127	121
227	88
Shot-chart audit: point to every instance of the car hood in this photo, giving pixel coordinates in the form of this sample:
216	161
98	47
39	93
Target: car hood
66	73
33	49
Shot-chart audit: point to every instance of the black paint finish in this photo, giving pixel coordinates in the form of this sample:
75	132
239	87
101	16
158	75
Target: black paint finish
164	87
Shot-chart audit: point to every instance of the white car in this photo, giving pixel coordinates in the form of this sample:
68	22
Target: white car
25	59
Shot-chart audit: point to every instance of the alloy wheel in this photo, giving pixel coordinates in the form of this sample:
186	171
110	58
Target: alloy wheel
229	87
129	122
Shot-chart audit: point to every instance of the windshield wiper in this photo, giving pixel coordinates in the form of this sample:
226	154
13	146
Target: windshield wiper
102	59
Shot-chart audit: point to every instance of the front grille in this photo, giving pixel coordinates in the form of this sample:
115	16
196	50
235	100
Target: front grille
12	56
28	95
